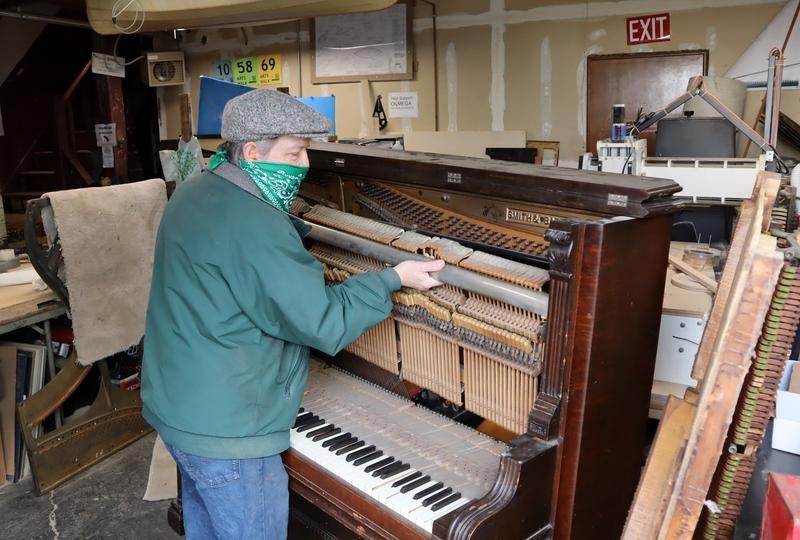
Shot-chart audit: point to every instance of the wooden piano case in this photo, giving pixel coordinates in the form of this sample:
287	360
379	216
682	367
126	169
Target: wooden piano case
605	242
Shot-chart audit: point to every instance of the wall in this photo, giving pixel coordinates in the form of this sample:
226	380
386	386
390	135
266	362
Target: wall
513	64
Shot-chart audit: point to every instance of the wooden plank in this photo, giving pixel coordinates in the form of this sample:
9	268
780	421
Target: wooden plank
747	227
8	378
659	472
667	509
701	278
3	480
20	301
719	393
186	117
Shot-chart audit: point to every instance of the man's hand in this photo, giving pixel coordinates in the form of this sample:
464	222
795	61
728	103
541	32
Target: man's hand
415	274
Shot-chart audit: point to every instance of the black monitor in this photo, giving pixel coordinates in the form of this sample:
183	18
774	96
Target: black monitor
523	155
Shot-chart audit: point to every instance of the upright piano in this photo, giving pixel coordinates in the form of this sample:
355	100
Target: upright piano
546	327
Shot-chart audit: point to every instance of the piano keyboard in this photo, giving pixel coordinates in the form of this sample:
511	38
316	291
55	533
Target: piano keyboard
411	460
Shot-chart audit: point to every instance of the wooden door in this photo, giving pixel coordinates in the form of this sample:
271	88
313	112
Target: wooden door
646	80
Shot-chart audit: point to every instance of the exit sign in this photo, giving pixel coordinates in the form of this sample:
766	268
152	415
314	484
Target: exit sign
647	29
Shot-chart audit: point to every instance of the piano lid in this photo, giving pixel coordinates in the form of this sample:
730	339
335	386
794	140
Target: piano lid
604	193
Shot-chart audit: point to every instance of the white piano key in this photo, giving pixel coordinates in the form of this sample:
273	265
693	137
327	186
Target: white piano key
425	517
403	503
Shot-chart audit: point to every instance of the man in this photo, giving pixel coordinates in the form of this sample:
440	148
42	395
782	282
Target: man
235	304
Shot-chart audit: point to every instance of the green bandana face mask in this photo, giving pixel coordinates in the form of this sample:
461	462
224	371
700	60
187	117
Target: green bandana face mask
278	182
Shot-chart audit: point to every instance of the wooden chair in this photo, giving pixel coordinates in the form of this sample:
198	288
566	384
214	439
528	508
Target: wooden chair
113	420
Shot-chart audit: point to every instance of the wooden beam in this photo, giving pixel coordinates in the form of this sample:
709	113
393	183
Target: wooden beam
659	473
111	104
186	117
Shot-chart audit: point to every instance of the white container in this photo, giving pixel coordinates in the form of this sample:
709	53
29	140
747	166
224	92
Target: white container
786	429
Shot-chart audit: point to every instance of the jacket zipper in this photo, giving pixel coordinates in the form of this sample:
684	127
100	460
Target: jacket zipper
293	373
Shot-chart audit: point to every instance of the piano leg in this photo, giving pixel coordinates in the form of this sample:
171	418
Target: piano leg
175	511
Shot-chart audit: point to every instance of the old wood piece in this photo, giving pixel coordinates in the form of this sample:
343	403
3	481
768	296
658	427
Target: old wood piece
111	423
737	318
672	434
112	107
720	392
701	278
683	295
746	228
21	301
186	117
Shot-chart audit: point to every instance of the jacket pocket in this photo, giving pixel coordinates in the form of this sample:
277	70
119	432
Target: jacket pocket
294	371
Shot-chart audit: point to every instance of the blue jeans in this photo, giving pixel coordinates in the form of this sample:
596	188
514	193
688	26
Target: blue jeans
234	499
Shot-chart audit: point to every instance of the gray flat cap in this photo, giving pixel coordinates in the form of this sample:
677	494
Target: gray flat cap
265	114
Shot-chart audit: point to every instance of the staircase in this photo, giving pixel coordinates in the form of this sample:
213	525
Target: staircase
48	110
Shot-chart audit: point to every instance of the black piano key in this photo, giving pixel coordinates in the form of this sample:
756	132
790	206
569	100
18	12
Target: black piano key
390	470
415	484
379	464
310	425
324	429
335	440
305	419
360	453
437	496
444	502
346	441
407	479
427	491
350	447
369	457
326	433
301	411
301	418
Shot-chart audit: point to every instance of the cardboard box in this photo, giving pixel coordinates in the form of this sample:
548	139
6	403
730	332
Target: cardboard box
786	429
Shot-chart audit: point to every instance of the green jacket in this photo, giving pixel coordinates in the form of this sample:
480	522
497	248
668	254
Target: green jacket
235	303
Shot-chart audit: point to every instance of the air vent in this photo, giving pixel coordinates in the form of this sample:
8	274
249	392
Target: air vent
165	68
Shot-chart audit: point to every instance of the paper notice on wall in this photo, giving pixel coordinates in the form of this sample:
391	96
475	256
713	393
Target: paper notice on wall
403	105
108	156
105	134
106	64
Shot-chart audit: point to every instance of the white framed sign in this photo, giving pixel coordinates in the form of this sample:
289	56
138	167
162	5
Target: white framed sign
372	46
403	105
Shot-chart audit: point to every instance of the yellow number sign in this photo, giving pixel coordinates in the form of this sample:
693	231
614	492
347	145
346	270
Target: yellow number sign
269	69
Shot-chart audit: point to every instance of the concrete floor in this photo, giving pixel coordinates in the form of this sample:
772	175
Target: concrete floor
104	502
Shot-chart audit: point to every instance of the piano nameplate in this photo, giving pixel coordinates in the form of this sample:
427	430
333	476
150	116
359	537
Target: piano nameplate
515	215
